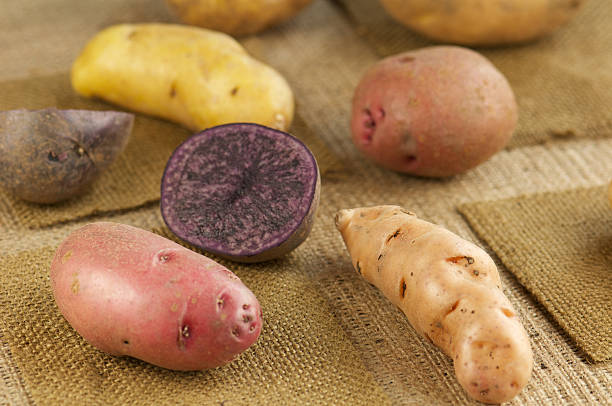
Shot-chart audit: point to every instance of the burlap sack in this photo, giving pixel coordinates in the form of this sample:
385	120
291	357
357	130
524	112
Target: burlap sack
561	81
559	245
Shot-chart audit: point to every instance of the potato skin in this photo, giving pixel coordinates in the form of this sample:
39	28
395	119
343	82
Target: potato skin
436	111
51	155
450	291
195	77
131	292
477	22
236	17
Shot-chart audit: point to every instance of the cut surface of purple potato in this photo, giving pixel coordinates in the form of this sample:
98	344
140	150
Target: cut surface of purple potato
51	155
242	191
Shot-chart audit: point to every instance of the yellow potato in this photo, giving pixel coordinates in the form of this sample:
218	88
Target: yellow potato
192	76
478	22
236	17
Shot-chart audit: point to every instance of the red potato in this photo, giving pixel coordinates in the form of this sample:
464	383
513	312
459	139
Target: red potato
131	292
437	111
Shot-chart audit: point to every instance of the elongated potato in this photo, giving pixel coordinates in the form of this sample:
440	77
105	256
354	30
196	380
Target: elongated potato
450	291
131	292
193	76
483	22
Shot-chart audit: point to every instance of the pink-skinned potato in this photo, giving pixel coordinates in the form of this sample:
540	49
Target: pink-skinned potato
130	292
435	112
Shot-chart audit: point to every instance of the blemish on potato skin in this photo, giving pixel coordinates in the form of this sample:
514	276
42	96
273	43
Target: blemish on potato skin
66	256
234	91
174	307
394	235
75	286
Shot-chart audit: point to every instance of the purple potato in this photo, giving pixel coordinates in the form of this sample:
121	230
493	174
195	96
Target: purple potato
244	192
51	155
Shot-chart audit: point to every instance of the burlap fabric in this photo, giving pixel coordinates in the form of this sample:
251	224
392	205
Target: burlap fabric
555	79
323	54
559	246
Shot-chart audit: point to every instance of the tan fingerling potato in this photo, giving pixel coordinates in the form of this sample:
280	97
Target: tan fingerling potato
610	194
450	291
236	17
477	22
192	76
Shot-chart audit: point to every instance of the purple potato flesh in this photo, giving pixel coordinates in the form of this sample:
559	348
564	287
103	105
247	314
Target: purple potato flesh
51	155
242	191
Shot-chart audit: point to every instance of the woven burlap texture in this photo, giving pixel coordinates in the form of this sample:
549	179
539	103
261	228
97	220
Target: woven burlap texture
323	57
559	245
558	80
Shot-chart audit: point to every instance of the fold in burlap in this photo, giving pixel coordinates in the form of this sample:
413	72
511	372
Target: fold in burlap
559	246
561	81
134	179
301	357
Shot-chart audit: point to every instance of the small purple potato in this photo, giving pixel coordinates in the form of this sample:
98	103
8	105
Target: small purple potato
51	155
241	191
436	111
130	292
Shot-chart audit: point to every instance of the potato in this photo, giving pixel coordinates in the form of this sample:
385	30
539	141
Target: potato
51	155
195	77
477	22
236	17
241	191
610	194
435	111
450	291
131	292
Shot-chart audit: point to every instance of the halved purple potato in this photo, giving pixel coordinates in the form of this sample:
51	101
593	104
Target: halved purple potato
51	155
244	192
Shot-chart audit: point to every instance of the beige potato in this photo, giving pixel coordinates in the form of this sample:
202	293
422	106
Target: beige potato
478	22
195	77
236	17
450	291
